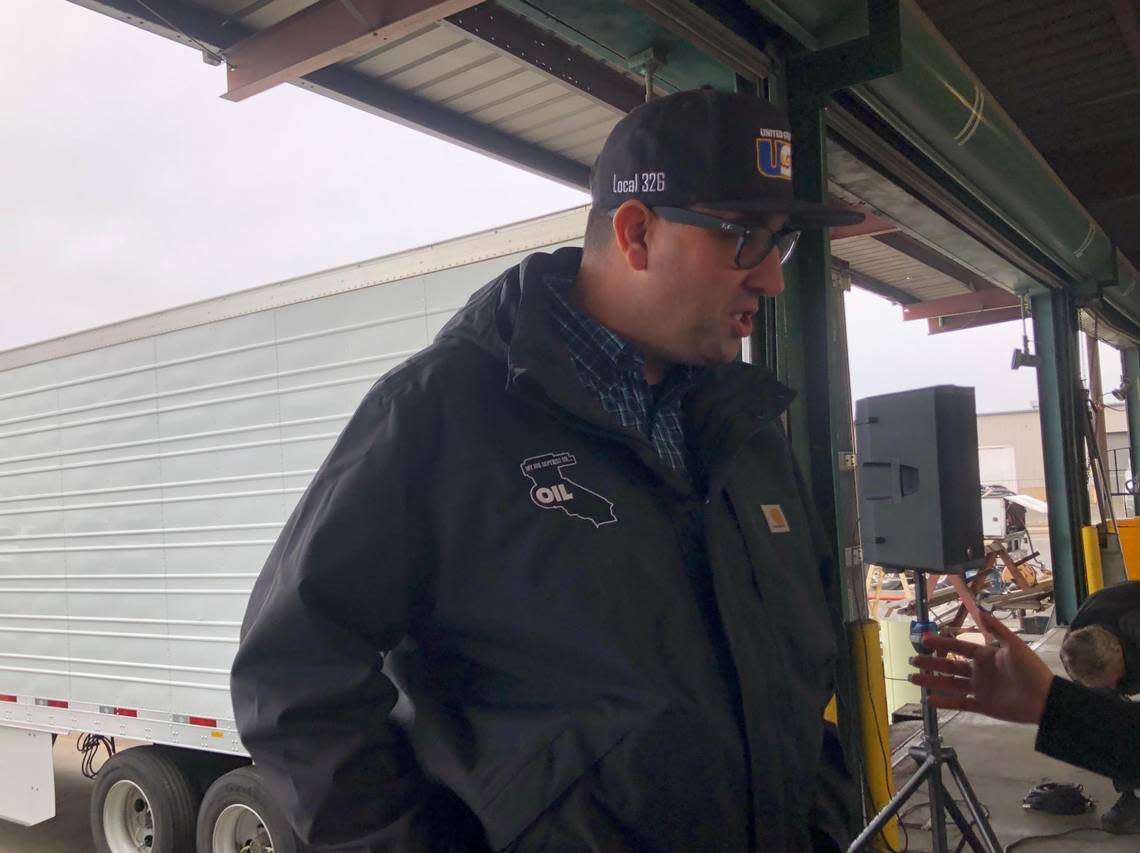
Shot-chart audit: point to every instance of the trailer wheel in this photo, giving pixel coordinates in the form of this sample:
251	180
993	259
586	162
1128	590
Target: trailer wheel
237	816
202	768
143	803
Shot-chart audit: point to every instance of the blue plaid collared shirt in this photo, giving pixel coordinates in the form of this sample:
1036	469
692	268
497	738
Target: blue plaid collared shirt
613	371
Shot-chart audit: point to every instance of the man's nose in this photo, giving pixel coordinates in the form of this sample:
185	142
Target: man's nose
767	277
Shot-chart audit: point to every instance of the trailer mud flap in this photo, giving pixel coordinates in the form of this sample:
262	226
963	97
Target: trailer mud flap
27	795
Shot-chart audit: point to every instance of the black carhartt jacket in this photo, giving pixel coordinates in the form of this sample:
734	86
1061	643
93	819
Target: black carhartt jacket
580	677
1110	746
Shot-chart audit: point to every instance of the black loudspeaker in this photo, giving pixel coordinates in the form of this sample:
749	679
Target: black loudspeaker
917	479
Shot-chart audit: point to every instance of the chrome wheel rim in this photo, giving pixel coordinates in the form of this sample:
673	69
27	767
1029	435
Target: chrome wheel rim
128	822
240	829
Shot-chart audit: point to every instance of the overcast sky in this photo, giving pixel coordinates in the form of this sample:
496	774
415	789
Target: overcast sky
129	186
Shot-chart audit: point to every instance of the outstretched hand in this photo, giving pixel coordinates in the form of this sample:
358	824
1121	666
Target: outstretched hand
1006	681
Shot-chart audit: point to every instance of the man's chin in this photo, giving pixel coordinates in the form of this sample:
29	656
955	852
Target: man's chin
731	353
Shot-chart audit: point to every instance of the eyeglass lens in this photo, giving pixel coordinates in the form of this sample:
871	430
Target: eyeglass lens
760	242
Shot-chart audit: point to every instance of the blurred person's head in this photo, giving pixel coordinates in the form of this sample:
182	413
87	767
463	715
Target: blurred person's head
1093	657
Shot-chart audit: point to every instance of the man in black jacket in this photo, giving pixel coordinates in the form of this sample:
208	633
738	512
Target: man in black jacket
1102	646
572	533
1102	650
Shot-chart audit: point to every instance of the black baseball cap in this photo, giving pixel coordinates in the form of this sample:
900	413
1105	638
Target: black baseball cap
724	150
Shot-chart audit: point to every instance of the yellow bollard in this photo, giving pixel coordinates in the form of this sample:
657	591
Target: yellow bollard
871	685
1094	573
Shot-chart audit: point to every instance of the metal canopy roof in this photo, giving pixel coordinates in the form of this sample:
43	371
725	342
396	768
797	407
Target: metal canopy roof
1068	72
540	84
878	262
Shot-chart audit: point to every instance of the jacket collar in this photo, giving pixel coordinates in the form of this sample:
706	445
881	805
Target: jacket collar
512	319
729	405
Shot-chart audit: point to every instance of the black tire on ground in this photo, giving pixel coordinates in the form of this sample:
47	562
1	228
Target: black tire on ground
202	768
239	808
142	797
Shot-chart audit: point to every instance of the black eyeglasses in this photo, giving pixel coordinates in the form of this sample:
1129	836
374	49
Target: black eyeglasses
753	242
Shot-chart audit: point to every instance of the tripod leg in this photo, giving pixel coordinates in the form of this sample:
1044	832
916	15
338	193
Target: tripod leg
964	826
989	837
892	808
937	810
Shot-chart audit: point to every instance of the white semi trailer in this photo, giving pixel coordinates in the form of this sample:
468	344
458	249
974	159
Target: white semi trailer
145	470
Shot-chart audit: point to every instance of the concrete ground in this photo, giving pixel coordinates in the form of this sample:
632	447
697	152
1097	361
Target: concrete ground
1003	766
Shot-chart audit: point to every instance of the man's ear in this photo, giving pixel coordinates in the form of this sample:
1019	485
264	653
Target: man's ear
631	227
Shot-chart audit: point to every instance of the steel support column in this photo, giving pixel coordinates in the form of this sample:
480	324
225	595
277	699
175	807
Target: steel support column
812	333
1130	369
765	337
1061	407
811	356
815	323
821	418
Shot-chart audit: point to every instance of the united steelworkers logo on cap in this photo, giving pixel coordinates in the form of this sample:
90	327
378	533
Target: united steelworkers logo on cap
774	153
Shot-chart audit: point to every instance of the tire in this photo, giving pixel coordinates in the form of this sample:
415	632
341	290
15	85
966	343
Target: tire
237	816
143	802
202	768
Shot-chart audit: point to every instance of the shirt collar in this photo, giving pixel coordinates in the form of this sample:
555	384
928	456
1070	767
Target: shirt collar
607	356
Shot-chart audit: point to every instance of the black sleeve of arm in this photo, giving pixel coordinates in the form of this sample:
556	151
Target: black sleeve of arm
346	580
1092	730
1129	627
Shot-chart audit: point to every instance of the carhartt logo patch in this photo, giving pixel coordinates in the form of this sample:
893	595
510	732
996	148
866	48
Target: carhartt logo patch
777	521
774	153
552	489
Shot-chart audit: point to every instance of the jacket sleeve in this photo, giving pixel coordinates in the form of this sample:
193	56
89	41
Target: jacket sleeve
1129	627
349	576
1092	730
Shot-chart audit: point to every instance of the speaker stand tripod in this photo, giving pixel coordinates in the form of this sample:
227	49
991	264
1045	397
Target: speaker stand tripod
931	756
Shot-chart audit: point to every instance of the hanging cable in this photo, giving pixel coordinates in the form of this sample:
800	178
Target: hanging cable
89	745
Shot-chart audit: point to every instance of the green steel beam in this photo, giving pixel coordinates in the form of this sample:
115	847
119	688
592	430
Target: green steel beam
1130	367
814	361
616	32
800	21
1061	406
811	352
812	336
765	336
815	322
821	349
814	327
842	65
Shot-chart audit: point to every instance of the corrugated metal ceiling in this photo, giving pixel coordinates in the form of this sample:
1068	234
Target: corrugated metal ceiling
882	263
496	69
450	67
1068	74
